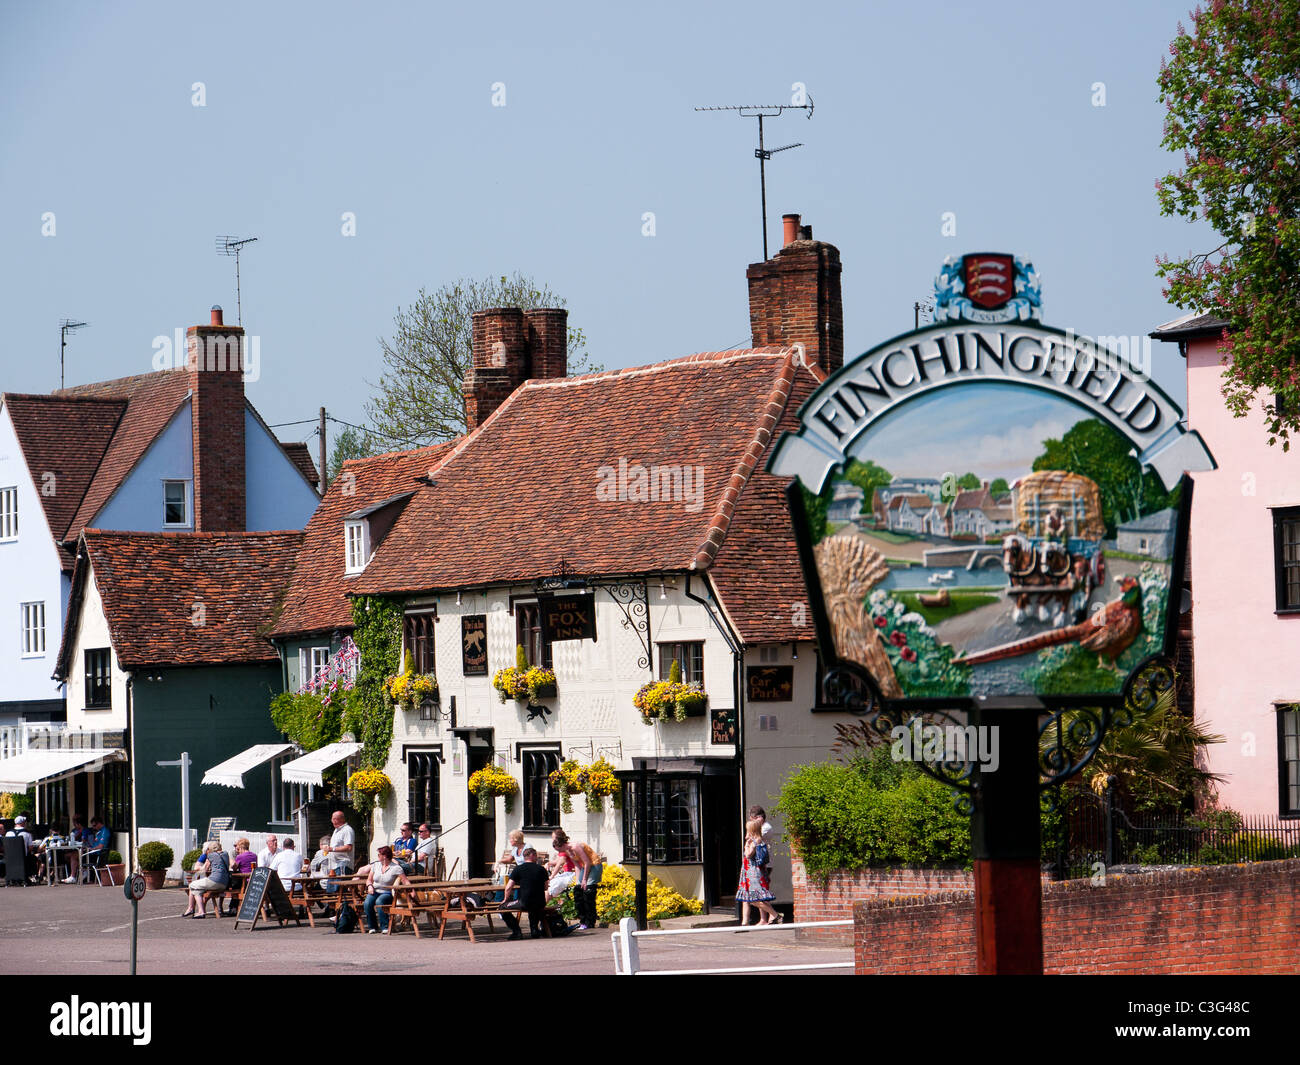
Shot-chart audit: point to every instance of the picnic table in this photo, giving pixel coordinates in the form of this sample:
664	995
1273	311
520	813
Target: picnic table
443	900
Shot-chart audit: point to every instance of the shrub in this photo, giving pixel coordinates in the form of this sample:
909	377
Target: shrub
155	855
191	856
13	803
113	858
616	898
872	812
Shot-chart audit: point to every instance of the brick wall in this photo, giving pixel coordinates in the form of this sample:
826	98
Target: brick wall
834	901
794	298
214	357
509	346
1221	919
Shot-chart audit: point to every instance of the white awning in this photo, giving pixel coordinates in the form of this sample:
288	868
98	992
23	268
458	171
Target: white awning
308	768
230	773
39	767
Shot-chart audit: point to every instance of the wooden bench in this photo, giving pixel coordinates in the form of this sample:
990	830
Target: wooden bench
409	903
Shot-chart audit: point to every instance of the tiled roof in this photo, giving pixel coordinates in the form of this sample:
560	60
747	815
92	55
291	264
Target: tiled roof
185	598
916	502
300	454
556	475
65	438
317	597
973	499
1188	326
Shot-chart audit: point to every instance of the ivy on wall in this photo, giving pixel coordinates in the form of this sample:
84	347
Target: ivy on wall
378	636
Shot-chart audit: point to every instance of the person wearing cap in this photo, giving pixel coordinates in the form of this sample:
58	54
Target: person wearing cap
20	830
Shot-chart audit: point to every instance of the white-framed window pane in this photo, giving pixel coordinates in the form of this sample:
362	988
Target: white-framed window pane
354	535
8	513
33	628
175	511
320	661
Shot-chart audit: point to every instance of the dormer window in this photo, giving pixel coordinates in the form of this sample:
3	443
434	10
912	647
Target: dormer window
176	504
356	545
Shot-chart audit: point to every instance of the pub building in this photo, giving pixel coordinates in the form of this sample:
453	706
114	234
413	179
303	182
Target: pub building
607	525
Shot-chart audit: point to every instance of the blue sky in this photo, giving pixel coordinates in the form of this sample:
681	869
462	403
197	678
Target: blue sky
984	110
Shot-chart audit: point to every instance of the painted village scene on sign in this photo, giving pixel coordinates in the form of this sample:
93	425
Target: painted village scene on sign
985	509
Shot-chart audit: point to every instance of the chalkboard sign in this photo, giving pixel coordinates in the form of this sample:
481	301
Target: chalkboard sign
217	825
264	888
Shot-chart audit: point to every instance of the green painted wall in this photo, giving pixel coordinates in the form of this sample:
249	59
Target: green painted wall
291	652
176	714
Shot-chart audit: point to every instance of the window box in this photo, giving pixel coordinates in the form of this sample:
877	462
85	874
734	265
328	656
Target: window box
666	700
525	683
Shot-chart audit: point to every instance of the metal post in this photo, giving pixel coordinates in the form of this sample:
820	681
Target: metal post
1005	842
135	924
643	839
184	762
1110	821
762	182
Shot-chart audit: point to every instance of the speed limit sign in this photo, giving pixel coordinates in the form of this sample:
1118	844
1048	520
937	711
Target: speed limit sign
133	889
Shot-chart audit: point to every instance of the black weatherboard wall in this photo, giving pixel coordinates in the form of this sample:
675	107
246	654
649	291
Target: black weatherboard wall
213	712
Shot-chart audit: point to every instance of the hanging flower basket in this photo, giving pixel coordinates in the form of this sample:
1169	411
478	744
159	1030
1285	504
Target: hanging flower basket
525	685
567	780
601	782
409	689
490	781
372	783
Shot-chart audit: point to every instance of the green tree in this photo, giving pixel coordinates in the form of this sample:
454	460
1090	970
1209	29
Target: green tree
350	444
1232	94
418	399
1092	448
867	476
1000	487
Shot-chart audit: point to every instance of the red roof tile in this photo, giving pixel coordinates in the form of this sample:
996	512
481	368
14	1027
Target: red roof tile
560	474
153	584
300	455
66	438
317	597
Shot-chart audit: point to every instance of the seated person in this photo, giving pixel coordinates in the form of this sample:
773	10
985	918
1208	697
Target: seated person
383	874
214	881
528	879
287	864
97	839
404	848
245	859
79	836
42	853
19	831
320	861
267	854
426	850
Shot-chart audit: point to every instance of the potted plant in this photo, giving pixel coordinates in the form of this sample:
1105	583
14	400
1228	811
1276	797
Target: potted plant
567	780
601	782
370	783
154	859
115	867
187	865
524	683
490	781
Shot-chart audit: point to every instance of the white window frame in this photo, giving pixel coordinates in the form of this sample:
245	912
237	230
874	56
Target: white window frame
310	661
356	561
189	504
32	629
8	514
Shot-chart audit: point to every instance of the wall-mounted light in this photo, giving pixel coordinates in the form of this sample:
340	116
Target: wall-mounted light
794	652
663	592
458	597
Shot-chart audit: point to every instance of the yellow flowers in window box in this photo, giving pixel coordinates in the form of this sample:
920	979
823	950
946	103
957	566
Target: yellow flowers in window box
670	700
409	689
523	682
490	781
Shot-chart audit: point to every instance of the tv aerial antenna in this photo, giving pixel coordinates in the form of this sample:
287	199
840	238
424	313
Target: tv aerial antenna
66	326
762	154
233	246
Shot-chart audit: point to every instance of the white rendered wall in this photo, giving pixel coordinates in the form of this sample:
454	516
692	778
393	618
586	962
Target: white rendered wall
92	632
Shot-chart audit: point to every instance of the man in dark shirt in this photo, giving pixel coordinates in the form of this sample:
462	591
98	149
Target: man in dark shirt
529	880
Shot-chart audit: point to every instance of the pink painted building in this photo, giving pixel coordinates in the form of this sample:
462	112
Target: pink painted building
1245	586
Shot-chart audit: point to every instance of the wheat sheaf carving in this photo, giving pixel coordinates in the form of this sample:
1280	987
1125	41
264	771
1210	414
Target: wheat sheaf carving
849	568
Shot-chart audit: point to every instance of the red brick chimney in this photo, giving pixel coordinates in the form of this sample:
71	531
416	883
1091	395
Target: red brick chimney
509	346
214	361
794	297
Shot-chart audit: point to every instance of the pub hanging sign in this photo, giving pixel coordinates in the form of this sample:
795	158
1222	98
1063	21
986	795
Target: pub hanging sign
569	617
975	478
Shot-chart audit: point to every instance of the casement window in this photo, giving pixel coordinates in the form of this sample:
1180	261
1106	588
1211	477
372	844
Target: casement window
422	791
418	634
99	677
33	629
1288	760
528	634
356	546
674	817
1144	545
1286	558
176	504
541	799
691	657
8	514
313	663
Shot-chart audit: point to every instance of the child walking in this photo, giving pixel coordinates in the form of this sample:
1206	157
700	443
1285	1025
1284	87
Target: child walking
753	884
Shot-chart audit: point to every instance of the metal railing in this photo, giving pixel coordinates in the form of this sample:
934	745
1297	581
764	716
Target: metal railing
627	952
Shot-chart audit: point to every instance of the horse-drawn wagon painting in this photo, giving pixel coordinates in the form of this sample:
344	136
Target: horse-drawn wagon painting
979	564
